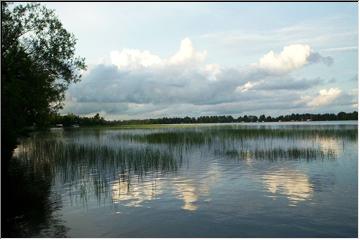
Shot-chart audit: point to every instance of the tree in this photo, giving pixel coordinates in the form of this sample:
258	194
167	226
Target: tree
38	64
262	118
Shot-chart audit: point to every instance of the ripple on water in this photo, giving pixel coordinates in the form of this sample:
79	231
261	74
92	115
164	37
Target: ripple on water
224	177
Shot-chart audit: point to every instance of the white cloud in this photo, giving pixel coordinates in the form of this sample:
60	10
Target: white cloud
134	58
187	53
325	97
246	87
292	57
138	83
212	71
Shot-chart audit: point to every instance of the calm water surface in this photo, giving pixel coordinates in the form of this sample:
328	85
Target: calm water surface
232	180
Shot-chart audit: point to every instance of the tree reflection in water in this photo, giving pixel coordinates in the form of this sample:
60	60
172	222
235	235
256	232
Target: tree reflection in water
133	167
31	206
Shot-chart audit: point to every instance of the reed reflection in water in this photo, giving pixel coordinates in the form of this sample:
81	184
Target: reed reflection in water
212	172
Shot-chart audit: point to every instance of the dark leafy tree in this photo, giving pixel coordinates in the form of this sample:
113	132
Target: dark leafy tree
262	118
38	64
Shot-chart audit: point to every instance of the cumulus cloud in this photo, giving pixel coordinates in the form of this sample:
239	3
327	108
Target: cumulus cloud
292	57
212	71
187	53
324	97
246	87
133	59
137	83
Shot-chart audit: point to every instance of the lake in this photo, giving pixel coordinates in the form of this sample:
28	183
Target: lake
201	180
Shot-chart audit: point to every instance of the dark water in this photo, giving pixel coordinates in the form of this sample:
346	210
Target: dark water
255	180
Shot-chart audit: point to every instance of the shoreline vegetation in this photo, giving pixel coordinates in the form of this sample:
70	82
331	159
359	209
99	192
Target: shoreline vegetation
72	120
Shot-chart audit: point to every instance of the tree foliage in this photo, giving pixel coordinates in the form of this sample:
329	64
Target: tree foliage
71	119
38	64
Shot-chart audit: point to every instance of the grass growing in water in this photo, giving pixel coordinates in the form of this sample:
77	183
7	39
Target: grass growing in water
207	135
281	154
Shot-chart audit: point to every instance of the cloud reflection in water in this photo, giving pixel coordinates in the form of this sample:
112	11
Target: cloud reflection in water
295	185
134	194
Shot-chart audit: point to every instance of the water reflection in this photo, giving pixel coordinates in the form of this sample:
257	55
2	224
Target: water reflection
31	207
295	185
186	191
331	144
134	194
134	168
190	190
84	170
89	164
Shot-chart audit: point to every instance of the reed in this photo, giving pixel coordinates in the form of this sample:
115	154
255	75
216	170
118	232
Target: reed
88	161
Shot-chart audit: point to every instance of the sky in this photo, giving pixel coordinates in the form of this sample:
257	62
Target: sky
152	60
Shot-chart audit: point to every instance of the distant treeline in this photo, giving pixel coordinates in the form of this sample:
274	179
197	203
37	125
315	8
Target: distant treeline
71	119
